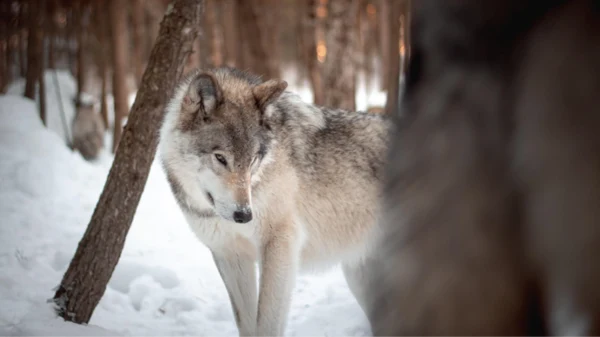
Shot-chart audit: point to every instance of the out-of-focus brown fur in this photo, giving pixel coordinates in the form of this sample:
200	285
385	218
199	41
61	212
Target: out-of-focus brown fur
491	215
88	132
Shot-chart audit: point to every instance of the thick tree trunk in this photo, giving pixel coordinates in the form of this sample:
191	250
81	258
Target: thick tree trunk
99	250
138	15
393	71
230	33
258	58
119	41
339	70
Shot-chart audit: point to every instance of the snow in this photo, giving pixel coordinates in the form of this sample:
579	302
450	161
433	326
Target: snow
165	283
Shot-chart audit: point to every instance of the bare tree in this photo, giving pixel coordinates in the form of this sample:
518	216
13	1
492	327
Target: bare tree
22	23
34	50
118	18
99	250
51	33
41	67
339	69
309	47
393	79
81	35
384	40
4	45
230	33
255	41
138	15
102	57
35	55
213	33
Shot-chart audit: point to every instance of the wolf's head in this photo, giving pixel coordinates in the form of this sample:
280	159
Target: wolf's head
217	137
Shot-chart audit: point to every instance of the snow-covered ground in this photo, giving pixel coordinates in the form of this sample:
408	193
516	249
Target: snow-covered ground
165	283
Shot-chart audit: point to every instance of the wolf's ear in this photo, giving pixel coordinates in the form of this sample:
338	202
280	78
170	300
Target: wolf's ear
204	94
267	92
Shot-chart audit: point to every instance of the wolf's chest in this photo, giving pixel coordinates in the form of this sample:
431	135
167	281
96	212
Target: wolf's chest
217	232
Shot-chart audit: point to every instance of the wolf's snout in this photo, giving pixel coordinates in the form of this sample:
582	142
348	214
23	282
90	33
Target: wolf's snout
242	216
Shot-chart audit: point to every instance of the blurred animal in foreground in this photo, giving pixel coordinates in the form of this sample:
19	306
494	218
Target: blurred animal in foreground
88	131
491	214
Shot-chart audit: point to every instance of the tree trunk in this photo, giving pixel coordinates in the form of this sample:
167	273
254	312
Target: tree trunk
213	34
22	37
119	41
258	59
42	90
339	69
384	40
99	250
155	10
393	71
4	45
138	15
70	36
51	36
81	48
102	59
230	33
313	67
268	16
35	52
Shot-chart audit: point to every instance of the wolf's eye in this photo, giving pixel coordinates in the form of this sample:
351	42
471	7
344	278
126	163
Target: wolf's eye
221	159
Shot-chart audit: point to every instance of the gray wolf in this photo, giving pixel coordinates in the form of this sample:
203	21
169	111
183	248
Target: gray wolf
88	131
491	208
264	178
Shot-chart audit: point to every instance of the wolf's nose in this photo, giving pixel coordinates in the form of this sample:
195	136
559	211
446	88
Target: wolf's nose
242	216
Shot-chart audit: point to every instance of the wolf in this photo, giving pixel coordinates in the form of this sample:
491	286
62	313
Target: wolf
490	220
265	178
88	130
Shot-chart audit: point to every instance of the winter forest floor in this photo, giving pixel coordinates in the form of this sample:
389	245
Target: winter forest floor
165	283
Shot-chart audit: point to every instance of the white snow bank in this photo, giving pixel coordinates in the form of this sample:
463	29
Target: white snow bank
165	283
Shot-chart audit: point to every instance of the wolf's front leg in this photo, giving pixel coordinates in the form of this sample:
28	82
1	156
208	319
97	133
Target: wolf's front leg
279	265
239	275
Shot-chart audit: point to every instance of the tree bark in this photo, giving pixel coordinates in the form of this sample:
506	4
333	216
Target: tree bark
23	22
51	29
393	71
268	15
313	67
119	41
257	59
230	33
99	250
34	50
138	15
4	45
384	41
213	34
81	48
102	60
42	17
339	69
